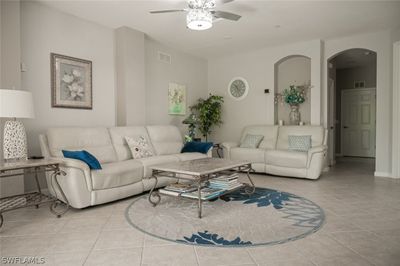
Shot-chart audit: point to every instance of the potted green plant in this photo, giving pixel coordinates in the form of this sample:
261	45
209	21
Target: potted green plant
294	96
208	112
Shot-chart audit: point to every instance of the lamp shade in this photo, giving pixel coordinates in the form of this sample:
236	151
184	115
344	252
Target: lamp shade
16	103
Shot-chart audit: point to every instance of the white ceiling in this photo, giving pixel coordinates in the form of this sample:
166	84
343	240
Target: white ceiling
297	20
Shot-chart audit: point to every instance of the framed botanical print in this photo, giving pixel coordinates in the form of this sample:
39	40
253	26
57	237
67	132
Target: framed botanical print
176	99
71	82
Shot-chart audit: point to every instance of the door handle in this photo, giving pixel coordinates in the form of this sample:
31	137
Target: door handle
345	127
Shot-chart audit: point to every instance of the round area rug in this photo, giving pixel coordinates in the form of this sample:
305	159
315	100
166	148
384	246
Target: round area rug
266	217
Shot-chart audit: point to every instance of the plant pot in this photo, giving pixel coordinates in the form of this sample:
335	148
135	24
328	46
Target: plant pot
294	115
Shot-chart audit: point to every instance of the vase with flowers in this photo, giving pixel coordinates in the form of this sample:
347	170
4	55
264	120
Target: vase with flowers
294	96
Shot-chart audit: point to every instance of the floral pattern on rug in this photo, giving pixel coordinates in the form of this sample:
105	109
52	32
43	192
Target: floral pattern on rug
263	197
206	238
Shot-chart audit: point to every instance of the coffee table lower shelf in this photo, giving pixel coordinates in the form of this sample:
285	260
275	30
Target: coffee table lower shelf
182	195
199	177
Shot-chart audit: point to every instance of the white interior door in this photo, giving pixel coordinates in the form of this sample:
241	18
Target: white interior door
358	122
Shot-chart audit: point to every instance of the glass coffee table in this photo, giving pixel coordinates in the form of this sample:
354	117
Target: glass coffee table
199	172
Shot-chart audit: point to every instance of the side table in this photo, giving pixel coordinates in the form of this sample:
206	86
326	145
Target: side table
21	167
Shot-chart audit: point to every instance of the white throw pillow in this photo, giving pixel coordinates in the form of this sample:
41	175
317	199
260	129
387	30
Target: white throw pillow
299	143
139	147
251	141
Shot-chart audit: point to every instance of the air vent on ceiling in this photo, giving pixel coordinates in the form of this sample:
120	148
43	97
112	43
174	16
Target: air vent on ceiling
164	57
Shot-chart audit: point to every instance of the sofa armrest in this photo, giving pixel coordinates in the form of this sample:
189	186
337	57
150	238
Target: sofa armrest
314	151
227	146
68	163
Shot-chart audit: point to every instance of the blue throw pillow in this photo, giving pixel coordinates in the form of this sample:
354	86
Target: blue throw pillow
84	156
195	146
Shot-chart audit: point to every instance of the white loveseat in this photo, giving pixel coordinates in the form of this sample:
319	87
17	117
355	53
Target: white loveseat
121	176
272	155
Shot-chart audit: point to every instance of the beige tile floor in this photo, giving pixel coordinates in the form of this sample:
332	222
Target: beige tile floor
362	228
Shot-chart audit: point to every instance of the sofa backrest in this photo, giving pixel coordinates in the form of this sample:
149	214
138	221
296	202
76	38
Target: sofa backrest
270	134
97	141
118	135
316	132
166	139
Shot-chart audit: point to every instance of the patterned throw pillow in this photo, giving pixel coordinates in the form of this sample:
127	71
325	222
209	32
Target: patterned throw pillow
139	147
299	143
251	141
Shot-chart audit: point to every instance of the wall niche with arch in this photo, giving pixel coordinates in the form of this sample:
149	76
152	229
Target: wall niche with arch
292	70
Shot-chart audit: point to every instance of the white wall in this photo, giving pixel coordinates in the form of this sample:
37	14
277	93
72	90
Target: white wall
184	69
293	71
10	76
380	43
257	67
130	75
44	31
347	76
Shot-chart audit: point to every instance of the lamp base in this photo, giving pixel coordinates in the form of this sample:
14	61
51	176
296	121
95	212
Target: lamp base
14	141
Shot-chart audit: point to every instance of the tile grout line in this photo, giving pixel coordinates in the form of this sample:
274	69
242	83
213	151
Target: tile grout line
251	257
197	256
348	247
95	242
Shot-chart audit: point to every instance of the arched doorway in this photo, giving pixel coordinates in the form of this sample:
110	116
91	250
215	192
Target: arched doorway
351	95
292	70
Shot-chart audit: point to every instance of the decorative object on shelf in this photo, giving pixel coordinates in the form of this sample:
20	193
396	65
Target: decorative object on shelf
176	99
280	122
191	121
208	112
15	104
294	115
71	82
238	88
294	96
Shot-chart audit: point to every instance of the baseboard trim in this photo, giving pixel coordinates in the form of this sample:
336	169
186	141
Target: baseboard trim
383	174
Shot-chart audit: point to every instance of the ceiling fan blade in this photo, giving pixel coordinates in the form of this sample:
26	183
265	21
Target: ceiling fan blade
224	1
166	11
226	15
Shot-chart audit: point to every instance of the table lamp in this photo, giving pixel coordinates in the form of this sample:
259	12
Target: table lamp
15	104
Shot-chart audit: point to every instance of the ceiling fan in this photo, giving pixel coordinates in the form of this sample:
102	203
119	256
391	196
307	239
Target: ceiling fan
201	13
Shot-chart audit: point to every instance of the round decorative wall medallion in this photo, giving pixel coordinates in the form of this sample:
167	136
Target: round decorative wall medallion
238	88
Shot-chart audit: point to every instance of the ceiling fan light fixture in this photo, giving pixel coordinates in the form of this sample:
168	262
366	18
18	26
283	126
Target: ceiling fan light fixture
199	19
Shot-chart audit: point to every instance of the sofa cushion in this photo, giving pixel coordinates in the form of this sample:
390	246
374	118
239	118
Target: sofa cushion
251	141
247	154
85	157
165	139
197	146
316	133
299	143
285	158
118	135
269	132
140	148
97	141
190	156
151	161
117	174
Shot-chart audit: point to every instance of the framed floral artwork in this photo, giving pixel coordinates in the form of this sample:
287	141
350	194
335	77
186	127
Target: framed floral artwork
176	99
71	82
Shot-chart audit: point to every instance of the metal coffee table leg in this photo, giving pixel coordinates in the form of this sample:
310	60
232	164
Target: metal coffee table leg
199	198
250	188
153	193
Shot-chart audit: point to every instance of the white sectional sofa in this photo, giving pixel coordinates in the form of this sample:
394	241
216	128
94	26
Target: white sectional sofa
273	156
121	175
